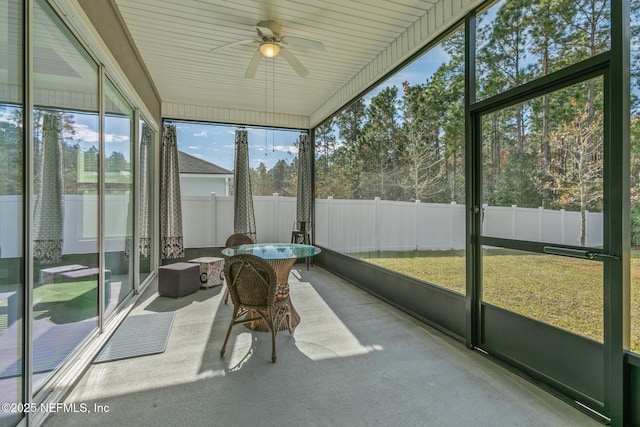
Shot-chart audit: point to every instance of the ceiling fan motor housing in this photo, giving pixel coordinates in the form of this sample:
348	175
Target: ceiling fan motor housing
269	31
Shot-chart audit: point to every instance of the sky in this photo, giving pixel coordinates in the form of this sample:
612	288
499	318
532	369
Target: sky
117	133
216	144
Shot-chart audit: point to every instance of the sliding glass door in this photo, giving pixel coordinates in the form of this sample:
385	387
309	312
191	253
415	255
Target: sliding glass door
66	154
118	197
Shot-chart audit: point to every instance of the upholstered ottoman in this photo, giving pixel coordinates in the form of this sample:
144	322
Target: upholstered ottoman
211	271
178	279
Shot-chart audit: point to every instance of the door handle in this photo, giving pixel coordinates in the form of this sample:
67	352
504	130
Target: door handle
603	257
579	253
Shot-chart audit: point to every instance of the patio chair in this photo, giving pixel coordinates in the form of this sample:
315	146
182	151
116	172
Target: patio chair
253	287
238	239
234	240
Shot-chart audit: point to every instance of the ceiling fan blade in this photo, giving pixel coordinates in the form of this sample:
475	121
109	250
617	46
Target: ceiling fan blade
293	61
239	42
253	65
265	32
300	41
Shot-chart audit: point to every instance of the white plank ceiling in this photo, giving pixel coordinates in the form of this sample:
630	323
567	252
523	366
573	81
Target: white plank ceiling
363	39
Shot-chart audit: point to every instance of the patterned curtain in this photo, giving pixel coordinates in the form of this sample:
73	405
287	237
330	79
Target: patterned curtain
146	168
48	215
170	200
144	225
243	216
303	203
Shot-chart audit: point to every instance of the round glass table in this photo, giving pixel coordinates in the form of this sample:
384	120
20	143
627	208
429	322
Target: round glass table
274	251
282	257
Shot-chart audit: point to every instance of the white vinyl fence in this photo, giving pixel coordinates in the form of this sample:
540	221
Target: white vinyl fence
382	225
208	221
80	224
342	225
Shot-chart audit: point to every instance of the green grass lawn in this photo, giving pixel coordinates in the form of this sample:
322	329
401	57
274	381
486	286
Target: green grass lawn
66	302
563	292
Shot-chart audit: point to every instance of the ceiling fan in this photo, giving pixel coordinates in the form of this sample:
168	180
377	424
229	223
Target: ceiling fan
271	44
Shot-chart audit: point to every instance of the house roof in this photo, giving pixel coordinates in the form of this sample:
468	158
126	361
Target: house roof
192	164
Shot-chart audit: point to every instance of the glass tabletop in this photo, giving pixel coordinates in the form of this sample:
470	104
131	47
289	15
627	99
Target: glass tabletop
273	250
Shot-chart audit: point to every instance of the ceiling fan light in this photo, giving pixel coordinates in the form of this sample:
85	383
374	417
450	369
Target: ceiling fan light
269	50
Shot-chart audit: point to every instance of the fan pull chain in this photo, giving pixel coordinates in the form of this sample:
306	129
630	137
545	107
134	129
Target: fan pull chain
266	107
273	102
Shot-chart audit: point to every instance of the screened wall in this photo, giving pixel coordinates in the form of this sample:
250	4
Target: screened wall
483	185
390	172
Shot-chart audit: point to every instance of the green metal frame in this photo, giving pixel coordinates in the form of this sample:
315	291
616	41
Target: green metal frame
618	385
614	67
499	336
617	212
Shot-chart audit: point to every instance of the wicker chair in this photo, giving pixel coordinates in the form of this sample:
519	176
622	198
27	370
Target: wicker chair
235	240
238	239
253	287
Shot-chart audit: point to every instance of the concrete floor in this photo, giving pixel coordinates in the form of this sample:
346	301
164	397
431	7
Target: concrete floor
354	361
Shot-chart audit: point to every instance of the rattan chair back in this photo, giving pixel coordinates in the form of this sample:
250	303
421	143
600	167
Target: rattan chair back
235	239
252	284
251	281
238	239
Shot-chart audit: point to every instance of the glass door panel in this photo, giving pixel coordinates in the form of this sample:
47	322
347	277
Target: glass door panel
118	197
145	214
65	194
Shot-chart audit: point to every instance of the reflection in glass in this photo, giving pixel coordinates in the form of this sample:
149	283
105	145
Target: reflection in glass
11	257
65	190
12	278
145	214
118	197
390	171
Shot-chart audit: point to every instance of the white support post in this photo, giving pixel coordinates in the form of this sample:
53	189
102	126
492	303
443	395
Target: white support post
586	228
540	224
562	227
276	212
328	226
214	219
514	221
452	225
417	222
377	226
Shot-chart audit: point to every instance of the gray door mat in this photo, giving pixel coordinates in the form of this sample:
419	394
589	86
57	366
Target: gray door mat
138	336
51	348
